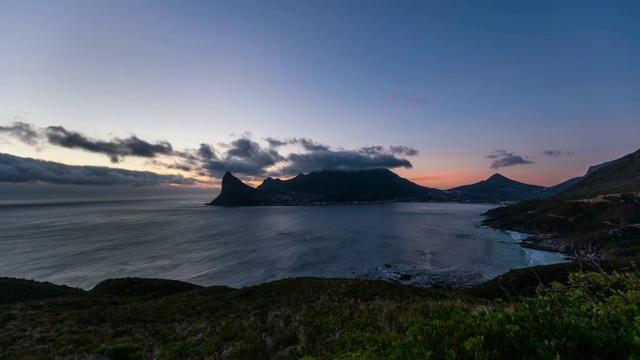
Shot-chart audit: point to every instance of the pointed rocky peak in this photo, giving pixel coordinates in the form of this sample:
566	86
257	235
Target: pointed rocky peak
498	176
230	182
595	168
500	188
499	179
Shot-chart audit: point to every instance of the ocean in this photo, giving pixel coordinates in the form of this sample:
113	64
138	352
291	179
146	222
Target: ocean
81	243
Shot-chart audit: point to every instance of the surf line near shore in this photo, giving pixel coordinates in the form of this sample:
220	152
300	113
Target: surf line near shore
534	256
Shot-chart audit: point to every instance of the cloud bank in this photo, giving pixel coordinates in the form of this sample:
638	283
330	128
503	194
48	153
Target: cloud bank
504	158
243	156
246	157
116	148
14	169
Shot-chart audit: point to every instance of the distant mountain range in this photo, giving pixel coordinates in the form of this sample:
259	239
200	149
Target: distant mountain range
330	186
382	185
376	185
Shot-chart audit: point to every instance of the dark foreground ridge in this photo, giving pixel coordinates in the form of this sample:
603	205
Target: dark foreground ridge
588	317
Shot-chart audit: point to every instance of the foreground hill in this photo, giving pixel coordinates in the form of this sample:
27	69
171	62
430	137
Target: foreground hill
330	186
553	190
591	317
599	215
499	188
620	176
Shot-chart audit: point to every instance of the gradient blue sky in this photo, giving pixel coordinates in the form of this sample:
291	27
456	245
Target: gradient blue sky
455	80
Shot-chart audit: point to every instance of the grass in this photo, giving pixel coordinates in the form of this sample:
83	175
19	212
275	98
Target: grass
331	318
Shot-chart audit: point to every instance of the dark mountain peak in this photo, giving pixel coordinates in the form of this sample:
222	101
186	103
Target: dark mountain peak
230	183
234	192
497	177
501	180
499	188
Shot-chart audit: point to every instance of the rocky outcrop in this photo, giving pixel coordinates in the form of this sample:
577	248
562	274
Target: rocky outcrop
235	193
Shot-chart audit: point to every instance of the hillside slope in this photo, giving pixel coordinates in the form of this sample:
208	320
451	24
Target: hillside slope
620	176
599	215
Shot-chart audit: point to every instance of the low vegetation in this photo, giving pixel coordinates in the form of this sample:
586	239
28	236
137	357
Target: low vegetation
606	226
588	314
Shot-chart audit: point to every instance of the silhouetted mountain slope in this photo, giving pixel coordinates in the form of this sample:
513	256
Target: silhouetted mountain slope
553	190
599	215
333	186
235	193
356	185
498	188
619	176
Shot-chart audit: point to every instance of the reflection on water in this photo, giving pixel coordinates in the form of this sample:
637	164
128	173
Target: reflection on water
82	244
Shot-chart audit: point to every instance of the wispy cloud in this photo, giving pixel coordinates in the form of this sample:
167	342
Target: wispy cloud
116	148
556	153
411	100
24	132
504	158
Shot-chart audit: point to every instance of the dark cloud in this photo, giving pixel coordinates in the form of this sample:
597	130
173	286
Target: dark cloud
116	148
504	158
309	144
24	132
275	142
404	150
340	160
555	153
206	152
243	157
306	143
247	158
372	150
14	169
393	150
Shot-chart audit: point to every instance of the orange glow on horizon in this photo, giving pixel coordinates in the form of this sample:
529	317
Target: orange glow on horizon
447	179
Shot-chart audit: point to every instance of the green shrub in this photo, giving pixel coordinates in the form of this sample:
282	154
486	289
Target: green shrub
594	316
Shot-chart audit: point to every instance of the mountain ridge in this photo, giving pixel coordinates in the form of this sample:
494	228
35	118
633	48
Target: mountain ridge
363	186
499	188
328	186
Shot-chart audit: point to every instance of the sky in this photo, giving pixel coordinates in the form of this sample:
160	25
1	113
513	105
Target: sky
444	93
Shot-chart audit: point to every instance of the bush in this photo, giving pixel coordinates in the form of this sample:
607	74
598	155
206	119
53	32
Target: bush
594	316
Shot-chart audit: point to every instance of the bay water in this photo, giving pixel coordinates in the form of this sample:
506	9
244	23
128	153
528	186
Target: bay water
82	243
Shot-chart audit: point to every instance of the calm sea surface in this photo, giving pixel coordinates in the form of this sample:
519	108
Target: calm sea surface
81	244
